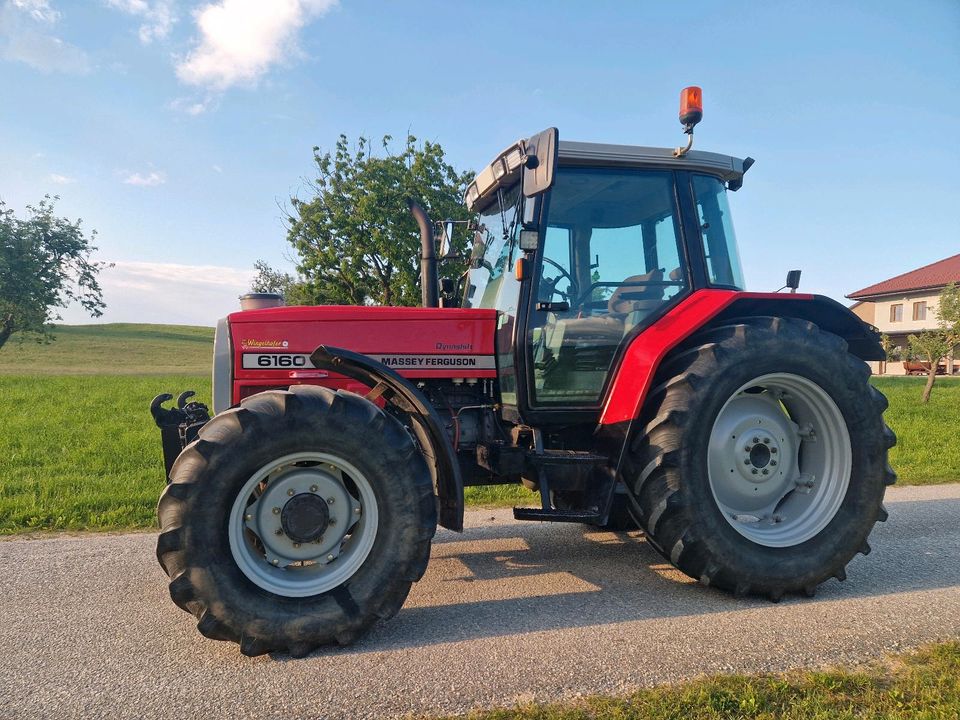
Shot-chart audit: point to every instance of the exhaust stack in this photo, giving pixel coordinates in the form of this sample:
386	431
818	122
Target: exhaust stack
430	296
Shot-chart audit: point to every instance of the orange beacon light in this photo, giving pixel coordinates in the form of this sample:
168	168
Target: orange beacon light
691	106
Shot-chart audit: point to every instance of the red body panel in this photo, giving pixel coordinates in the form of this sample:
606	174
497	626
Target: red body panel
416	342
644	354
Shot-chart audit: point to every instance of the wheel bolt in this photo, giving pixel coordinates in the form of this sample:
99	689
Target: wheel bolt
773	462
276	511
747	461
766	441
296	545
356	511
747	448
248	517
329	558
275	561
290	492
330	501
279	531
773	451
333	521
313	488
766	472
756	440
754	471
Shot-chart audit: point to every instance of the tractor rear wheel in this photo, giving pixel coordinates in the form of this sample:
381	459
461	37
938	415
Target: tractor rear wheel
296	520
760	461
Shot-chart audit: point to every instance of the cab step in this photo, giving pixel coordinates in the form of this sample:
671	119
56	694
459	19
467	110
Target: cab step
574	516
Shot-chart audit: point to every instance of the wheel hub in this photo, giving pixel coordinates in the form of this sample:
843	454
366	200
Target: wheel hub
304	517
303	524
766	488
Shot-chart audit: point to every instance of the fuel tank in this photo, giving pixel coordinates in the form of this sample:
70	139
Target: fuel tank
262	349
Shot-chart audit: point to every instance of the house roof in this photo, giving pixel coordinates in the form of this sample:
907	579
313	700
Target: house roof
934	275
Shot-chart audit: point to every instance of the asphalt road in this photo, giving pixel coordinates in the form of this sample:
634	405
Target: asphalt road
507	612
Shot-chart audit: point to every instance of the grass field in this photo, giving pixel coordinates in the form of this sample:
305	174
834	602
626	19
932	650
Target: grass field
923	685
117	349
80	451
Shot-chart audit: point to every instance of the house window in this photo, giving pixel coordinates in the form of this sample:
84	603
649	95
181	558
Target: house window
920	310
896	313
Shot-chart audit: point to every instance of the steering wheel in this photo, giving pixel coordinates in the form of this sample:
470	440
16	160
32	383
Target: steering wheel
552	284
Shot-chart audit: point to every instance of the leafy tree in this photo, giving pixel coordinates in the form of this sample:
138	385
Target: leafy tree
356	240
930	346
294	290
948	315
888	347
44	265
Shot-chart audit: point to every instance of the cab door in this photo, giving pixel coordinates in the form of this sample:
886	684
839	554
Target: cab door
611	260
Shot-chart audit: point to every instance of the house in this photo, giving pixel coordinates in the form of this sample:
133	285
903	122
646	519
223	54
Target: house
906	303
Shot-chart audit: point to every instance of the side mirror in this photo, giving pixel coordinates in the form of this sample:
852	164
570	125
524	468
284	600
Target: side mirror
540	162
793	280
446	239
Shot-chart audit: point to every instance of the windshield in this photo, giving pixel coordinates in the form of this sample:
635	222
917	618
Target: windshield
716	230
491	257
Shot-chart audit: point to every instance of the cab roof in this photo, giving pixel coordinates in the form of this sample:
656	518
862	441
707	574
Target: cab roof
728	168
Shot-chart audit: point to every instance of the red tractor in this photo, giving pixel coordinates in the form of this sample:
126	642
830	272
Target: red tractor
600	349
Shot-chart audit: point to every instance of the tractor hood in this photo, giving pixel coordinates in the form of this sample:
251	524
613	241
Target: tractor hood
260	349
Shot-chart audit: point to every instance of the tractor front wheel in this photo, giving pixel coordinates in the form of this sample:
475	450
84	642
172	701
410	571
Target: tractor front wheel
761	461
296	520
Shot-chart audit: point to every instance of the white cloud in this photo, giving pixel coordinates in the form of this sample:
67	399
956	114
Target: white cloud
158	16
151	179
39	10
25	38
61	179
193	106
217	169
241	39
168	293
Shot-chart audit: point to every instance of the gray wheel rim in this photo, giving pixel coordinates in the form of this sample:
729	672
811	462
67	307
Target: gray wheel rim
277	562
779	460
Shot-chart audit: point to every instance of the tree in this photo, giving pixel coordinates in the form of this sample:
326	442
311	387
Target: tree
356	240
931	346
948	315
887	344
44	265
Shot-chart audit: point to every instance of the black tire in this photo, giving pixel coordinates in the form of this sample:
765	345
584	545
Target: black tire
194	550
666	466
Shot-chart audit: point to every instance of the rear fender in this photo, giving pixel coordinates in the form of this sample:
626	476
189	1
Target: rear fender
385	384
700	311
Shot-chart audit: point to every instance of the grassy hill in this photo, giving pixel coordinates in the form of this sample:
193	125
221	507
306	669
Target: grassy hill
113	349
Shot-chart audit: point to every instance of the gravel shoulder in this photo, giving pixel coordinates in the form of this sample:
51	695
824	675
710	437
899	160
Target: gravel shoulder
507	612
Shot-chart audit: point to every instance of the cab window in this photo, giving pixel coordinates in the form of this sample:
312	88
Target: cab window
716	231
611	260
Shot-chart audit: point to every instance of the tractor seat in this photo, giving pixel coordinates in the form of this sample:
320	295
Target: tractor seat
628	303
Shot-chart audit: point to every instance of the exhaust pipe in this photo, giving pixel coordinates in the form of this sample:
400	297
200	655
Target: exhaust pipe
429	294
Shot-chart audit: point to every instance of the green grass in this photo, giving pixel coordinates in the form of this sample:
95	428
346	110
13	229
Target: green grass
928	436
923	685
80	451
121	349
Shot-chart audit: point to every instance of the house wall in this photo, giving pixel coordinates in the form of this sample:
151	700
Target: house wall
866	311
908	324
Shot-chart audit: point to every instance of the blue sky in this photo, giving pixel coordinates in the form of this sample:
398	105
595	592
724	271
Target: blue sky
177	129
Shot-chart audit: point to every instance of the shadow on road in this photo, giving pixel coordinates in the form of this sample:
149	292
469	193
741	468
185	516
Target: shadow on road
566	576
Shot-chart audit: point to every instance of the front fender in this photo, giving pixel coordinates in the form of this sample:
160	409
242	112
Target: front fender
396	390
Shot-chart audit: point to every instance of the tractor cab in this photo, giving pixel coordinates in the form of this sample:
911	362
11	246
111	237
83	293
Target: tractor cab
579	268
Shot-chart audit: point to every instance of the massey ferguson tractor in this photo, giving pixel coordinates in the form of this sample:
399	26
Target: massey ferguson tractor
600	349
